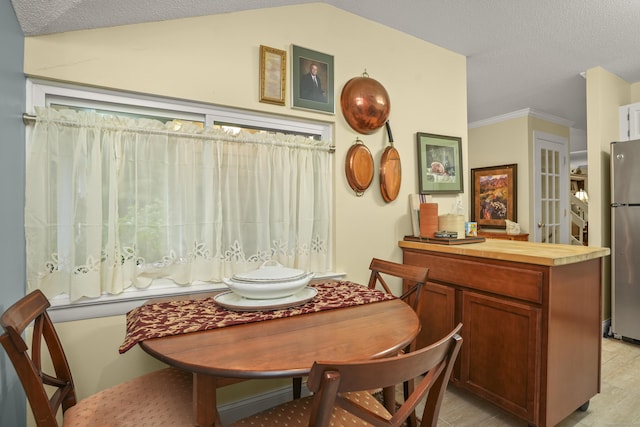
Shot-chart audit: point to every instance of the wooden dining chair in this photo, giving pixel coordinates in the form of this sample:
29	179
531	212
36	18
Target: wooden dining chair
341	390
145	400
415	276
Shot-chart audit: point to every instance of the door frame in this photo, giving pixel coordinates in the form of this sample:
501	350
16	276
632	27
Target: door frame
545	139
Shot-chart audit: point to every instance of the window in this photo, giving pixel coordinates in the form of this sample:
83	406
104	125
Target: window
211	203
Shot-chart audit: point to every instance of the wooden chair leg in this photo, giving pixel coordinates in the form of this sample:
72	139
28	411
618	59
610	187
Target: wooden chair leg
297	387
407	388
389	399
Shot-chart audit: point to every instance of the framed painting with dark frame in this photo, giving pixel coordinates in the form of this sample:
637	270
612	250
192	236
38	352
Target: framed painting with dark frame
494	193
312	80
439	163
273	75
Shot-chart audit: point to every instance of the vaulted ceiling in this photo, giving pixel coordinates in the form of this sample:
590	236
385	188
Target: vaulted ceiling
520	54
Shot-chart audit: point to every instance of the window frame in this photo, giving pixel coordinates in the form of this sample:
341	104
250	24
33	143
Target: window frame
44	93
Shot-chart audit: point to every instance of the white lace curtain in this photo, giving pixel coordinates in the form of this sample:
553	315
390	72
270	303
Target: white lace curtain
114	202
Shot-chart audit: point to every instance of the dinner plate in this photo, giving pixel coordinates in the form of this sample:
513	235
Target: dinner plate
236	302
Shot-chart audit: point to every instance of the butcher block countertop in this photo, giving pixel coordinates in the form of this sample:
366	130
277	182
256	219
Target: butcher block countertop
510	250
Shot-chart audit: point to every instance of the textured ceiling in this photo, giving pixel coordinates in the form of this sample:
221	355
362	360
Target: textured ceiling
520	53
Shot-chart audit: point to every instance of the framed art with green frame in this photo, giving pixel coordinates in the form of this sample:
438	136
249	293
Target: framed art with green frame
439	163
312	85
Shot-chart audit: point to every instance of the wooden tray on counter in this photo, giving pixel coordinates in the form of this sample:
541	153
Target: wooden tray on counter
445	240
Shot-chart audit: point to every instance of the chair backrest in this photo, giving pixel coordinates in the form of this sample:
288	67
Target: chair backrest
415	276
330	381
28	361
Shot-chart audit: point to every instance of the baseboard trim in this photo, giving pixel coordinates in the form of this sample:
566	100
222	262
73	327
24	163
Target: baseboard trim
233	411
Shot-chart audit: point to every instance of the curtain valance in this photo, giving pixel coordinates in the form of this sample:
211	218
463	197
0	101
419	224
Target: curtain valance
114	202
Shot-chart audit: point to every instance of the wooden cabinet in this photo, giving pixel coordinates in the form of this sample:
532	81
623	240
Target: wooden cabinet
532	333
523	237
440	315
503	334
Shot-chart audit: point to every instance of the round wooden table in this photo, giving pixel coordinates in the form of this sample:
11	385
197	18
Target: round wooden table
285	347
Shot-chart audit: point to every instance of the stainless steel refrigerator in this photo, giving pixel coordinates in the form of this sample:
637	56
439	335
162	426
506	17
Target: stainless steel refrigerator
625	239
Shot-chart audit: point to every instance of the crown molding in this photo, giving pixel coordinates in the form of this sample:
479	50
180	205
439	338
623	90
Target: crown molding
525	112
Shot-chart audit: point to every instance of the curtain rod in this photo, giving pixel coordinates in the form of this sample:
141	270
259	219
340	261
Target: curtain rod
28	119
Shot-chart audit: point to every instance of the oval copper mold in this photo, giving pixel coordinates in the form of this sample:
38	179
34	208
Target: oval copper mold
359	167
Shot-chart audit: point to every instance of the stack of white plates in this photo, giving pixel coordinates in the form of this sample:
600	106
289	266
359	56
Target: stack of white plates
269	281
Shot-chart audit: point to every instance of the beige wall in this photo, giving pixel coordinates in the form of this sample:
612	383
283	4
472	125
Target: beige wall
214	59
635	93
606	92
511	141
503	143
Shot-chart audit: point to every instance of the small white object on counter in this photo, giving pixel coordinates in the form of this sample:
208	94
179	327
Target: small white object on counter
512	227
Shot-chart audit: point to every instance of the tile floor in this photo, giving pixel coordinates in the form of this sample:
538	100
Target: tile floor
618	404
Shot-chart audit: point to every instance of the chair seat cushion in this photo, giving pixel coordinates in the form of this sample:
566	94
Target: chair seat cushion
160	398
296	413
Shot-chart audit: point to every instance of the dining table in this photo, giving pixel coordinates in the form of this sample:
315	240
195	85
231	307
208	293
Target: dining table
220	345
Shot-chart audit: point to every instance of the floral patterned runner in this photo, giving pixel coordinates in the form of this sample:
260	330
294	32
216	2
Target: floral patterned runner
161	319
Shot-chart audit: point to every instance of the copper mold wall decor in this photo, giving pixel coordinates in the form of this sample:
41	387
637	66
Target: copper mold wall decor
390	170
365	104
359	167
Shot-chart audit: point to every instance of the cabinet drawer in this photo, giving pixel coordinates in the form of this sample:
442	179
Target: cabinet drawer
488	276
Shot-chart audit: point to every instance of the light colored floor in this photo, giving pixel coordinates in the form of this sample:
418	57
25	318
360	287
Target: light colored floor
617	405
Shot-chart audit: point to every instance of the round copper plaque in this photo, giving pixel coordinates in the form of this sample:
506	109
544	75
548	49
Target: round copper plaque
365	104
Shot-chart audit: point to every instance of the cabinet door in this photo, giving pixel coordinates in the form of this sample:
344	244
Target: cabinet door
499	358
630	122
437	314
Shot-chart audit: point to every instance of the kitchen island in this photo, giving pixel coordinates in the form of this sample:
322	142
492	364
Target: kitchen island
532	322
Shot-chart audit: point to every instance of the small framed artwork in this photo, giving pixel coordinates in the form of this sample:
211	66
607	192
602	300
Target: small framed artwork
494	195
439	163
311	80
273	75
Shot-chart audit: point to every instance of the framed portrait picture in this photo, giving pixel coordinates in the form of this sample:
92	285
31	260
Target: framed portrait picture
312	80
494	195
273	75
439	163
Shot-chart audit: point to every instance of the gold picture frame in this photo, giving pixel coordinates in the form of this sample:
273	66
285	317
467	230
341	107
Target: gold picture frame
273	75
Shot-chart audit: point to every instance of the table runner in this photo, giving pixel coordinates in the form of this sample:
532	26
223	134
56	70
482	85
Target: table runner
154	320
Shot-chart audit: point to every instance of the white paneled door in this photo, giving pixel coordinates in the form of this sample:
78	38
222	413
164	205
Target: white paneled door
551	188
